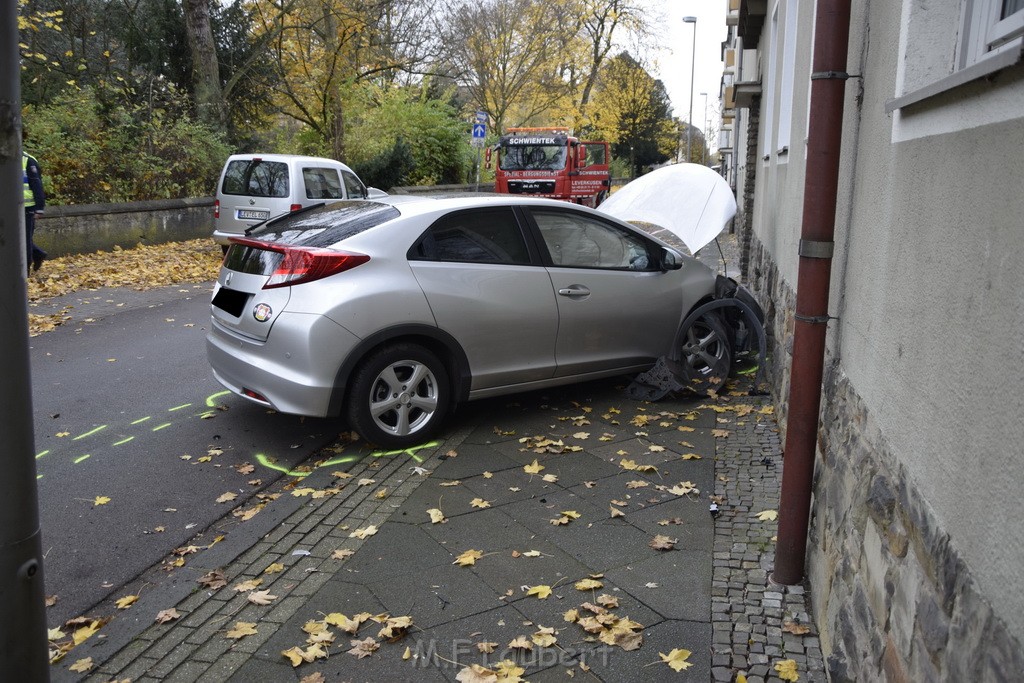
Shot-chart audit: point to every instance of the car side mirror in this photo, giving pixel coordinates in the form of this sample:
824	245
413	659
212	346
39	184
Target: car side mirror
671	259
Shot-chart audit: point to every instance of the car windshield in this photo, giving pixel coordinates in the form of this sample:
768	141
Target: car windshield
324	226
518	154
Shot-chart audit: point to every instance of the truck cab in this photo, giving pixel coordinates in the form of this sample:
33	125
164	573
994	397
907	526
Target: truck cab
550	162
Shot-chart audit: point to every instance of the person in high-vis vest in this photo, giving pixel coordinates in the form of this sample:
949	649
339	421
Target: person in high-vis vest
35	202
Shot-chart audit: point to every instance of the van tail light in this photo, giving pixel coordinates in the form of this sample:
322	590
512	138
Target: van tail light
297	265
216	208
295	207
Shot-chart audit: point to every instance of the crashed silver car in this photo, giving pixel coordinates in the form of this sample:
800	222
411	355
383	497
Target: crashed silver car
392	311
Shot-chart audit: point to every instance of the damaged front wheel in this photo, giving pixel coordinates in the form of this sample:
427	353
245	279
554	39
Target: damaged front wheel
704	353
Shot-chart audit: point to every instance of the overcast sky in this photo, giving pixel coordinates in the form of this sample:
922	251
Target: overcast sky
671	63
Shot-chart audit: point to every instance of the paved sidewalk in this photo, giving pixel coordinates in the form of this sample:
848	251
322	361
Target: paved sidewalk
707	592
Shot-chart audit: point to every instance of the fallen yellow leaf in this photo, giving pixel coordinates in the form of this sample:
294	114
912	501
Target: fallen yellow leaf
677	659
81	666
241	629
364	533
768	515
787	670
261	597
126	602
246	586
468	558
542	592
533	468
436	516
101	500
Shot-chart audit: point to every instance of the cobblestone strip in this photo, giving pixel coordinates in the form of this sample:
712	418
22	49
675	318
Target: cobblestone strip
755	622
188	649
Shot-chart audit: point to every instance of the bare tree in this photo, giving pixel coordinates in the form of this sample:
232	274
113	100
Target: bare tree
505	56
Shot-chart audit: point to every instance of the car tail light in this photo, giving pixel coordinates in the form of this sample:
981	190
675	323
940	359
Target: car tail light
295	207
303	264
216	208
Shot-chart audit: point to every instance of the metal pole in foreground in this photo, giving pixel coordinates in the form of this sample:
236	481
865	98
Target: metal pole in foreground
23	651
828	92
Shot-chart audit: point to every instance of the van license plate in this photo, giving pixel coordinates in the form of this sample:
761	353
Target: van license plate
251	215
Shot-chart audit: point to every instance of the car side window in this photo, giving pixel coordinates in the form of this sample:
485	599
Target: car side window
322	183
578	241
353	185
487	236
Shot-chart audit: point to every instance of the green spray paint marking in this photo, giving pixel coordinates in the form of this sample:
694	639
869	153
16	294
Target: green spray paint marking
39	476
182	406
90	433
163	426
41	454
118	443
411	452
84	457
210	402
142	419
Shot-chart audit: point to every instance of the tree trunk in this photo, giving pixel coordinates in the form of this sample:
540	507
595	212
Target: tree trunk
205	69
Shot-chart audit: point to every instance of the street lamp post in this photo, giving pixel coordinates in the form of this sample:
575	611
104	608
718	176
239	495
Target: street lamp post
693	58
704	137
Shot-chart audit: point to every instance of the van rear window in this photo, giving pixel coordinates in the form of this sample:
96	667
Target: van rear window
256	178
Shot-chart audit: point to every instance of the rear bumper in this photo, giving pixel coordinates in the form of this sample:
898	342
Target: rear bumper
294	369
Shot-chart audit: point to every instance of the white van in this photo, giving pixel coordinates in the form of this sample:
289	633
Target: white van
255	187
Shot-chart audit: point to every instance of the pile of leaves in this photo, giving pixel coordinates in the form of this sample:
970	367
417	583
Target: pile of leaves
144	267
321	637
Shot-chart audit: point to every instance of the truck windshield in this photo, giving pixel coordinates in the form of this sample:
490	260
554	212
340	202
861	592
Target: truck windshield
520	157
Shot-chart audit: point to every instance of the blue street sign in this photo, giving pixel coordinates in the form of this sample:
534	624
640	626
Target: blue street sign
479	130
481	117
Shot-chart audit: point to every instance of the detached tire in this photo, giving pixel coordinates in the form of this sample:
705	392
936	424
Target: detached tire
398	396
705	353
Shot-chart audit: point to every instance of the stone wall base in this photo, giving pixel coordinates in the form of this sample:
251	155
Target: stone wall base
892	598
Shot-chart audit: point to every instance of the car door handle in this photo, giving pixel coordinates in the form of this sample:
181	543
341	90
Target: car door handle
577	291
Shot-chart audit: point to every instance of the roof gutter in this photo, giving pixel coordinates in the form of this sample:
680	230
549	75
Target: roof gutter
828	92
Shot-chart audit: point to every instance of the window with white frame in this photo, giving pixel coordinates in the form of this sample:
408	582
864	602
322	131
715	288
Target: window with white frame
989	37
768	102
990	27
788	73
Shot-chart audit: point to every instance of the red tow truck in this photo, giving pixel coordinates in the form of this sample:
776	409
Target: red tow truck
550	162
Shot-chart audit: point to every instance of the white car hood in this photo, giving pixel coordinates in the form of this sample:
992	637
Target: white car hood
689	200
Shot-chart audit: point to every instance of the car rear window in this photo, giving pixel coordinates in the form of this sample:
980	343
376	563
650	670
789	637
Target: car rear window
256	178
324	226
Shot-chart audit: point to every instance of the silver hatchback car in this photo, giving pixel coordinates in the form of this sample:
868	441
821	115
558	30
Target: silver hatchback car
392	311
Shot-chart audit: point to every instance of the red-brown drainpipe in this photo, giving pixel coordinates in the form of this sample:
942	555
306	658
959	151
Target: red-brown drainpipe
828	90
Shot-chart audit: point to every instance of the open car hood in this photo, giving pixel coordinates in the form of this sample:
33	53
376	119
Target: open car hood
689	200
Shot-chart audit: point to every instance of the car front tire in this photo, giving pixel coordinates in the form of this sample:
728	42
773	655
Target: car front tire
706	354
399	396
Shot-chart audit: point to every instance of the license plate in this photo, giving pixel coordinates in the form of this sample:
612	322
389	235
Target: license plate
253	215
230	300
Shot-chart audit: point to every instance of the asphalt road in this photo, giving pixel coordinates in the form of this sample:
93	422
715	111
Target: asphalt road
126	409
